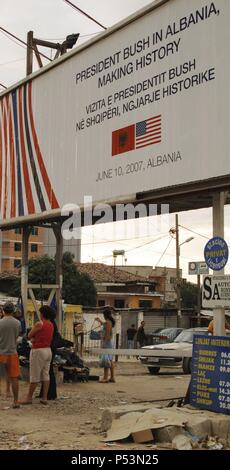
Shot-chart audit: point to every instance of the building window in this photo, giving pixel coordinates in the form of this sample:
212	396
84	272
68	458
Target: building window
17	263
34	231
18	231
145	303
34	248
101	303
17	247
119	303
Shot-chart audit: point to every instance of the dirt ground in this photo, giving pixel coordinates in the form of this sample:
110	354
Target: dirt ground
73	420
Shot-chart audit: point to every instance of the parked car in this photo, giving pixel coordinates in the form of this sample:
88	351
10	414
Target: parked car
164	335
183	341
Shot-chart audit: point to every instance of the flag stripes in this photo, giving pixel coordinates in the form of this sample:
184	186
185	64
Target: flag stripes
25	186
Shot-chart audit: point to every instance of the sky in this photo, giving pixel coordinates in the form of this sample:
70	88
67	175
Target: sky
144	241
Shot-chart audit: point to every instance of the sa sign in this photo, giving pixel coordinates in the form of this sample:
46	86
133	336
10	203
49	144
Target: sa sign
216	291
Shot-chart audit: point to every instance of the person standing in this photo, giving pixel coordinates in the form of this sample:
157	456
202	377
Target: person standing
131	333
106	343
141	336
52	391
211	326
40	355
9	332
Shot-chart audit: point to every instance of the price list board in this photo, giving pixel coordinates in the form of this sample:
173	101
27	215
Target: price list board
210	379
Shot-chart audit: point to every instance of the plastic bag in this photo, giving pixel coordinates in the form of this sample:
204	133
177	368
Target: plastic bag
105	361
95	335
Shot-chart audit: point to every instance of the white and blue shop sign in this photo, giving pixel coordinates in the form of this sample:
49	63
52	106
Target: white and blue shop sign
216	253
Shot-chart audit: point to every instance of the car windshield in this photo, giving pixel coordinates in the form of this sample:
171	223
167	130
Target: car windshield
169	333
186	336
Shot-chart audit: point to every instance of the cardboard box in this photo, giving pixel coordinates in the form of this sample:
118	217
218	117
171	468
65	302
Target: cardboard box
142	436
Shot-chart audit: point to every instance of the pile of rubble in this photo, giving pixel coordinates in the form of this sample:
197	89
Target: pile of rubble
176	428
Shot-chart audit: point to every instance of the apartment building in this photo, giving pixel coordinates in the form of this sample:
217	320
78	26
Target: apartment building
11	247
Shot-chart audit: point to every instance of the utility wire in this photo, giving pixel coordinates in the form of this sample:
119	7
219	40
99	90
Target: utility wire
63	39
136	247
21	42
71	4
11	62
193	231
103	242
163	252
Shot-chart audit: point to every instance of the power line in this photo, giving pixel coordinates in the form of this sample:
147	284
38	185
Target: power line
11	62
103	242
193	231
21	42
71	4
136	247
62	39
163	252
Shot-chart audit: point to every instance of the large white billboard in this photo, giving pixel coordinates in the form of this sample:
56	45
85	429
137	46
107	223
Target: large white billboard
145	107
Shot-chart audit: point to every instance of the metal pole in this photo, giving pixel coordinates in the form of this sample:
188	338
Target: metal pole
178	280
29	53
59	277
218	230
198	300
117	345
24	268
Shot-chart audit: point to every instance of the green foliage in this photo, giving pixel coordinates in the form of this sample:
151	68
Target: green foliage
189	294
77	288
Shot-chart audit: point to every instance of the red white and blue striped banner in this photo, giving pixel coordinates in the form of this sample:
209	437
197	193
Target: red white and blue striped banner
25	186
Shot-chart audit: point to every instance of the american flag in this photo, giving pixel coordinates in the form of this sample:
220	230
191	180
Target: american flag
148	132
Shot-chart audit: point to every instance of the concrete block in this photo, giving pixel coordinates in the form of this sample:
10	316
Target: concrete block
115	412
168	433
200	427
181	442
221	426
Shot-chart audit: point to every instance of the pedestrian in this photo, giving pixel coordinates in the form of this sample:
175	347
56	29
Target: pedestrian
106	360
141	336
52	391
40	355
211	327
9	332
131	333
19	316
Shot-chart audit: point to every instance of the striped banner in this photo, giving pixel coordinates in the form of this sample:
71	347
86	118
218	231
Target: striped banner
25	187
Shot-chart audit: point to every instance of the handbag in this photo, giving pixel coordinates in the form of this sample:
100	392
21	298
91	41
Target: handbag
95	335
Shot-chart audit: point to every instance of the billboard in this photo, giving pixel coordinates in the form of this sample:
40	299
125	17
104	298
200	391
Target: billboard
136	109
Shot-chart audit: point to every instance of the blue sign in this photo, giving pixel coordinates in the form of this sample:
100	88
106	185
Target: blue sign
216	253
210	379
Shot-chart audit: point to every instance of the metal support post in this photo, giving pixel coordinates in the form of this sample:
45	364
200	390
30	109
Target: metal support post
29	54
59	276
218	231
24	267
198	300
178	280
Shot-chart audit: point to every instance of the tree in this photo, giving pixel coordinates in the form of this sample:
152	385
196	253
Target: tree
77	288
189	294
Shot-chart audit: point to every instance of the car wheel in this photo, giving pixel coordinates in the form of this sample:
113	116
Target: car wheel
153	370
187	363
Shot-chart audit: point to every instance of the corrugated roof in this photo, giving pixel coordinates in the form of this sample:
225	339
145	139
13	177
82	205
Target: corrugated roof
8	276
100	272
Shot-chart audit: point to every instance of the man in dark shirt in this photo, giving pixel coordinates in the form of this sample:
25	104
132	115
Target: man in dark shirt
141	336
